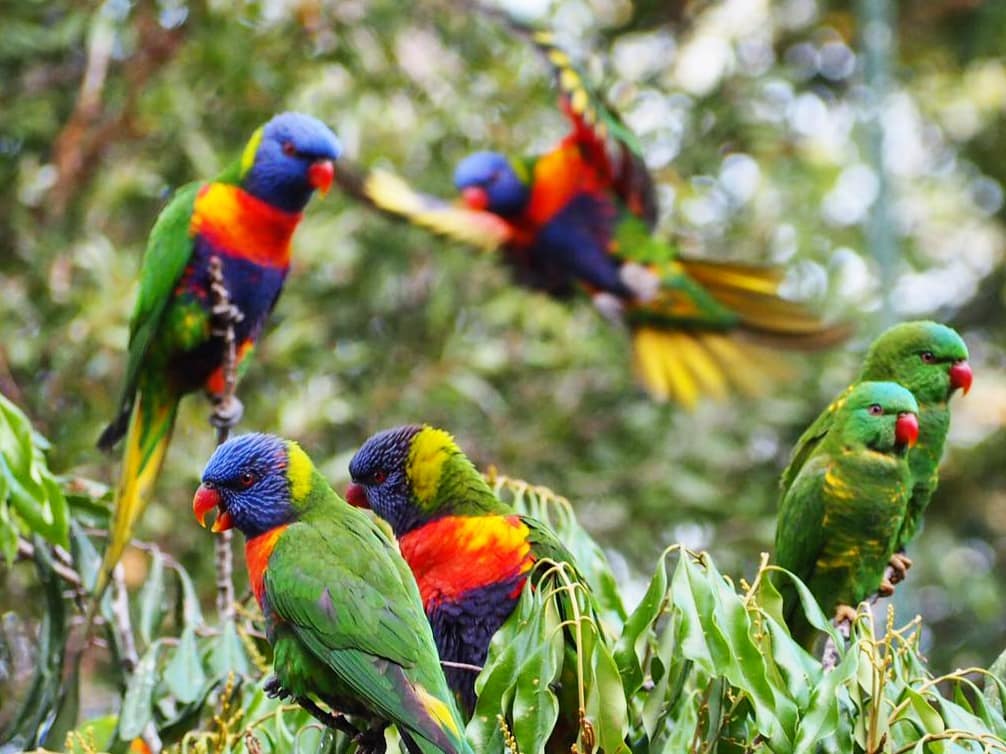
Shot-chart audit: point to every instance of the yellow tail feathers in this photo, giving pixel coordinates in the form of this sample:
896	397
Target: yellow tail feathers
146	444
701	353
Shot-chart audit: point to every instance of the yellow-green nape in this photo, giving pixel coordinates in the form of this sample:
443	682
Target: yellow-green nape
429	450
251	149
521	170
298	471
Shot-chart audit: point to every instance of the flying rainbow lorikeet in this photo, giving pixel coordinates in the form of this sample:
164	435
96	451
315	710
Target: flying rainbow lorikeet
246	218
471	553
840	518
342	611
581	218
930	360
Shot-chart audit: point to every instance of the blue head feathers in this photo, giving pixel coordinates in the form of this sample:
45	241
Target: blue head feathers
246	478
288	158
487	180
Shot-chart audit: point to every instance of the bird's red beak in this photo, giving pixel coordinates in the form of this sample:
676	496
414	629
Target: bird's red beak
321	174
475	198
906	430
206	499
961	376
355	496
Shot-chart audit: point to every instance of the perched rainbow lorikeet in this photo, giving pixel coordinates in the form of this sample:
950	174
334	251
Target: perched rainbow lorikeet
470	552
930	360
342	610
581	218
245	218
839	520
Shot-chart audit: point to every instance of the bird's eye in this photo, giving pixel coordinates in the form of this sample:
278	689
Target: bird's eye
876	410
378	477
289	149
246	480
928	357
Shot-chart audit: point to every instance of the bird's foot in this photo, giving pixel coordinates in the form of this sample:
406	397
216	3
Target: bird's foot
886	588
371	740
899	563
610	306
224	315
845	614
226	412
274	689
641	280
332	720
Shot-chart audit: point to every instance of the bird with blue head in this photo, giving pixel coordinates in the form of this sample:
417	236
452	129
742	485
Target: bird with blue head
234	231
343	613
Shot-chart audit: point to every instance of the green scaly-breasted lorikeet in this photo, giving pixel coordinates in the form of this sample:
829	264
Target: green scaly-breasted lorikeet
470	552
342	610
839	520
930	360
581	218
246	218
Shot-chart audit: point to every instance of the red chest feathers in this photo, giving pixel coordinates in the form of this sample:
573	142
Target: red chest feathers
258	550
452	556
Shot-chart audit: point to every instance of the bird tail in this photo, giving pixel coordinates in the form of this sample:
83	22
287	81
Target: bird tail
448	733
713	331
147	438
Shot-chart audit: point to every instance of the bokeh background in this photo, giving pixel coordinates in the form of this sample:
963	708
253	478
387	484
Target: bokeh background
861	149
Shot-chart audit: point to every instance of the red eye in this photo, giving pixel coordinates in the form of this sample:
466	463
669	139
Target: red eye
246	480
928	357
378	477
876	410
289	149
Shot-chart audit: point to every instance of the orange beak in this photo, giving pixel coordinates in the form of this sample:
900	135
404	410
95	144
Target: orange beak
906	430
321	174
206	499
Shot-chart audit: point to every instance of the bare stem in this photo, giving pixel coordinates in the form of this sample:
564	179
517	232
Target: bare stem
226	412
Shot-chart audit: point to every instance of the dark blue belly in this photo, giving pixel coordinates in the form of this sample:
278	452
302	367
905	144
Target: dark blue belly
463	630
252	288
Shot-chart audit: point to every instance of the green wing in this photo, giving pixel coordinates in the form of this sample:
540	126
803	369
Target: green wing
545	543
334	581
810	440
169	250
799	536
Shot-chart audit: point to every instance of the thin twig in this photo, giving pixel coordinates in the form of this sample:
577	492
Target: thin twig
224	316
26	551
123	626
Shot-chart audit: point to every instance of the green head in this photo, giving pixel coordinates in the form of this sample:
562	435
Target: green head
412	474
928	358
257	482
881	416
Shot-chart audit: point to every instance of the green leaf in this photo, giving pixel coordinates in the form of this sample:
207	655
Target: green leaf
184	674
228	653
138	702
152	598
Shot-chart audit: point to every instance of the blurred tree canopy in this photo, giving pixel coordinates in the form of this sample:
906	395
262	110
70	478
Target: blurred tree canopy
755	118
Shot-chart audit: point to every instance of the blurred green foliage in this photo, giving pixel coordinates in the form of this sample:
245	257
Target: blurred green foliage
751	117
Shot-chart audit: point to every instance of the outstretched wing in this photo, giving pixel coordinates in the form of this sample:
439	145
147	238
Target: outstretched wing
607	143
389	193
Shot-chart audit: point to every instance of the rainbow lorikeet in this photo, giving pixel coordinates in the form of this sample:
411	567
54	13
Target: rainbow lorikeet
341	608
470	552
245	218
581	218
930	360
839	520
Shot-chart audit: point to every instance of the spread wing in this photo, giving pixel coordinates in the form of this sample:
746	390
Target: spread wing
392	195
